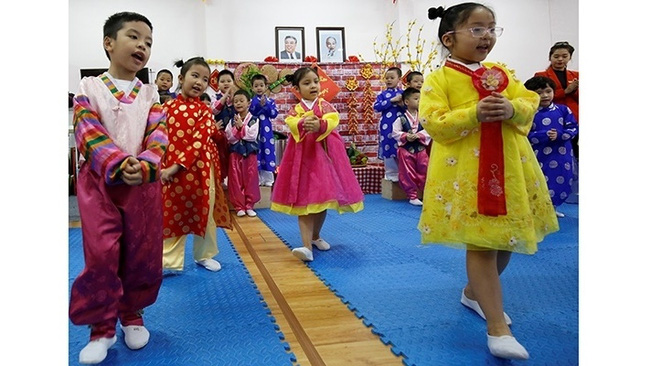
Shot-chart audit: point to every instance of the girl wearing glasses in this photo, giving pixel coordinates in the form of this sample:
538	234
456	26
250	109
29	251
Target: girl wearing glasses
485	192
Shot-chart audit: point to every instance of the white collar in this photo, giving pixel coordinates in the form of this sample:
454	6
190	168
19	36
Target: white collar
473	66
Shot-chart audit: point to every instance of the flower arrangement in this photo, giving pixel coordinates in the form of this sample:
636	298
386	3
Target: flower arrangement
311	59
352	59
271	59
357	158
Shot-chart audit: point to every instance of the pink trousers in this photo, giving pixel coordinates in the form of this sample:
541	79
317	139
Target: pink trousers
412	171
243	181
122	241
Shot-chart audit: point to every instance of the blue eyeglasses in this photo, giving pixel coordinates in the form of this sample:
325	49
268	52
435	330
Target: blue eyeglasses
478	32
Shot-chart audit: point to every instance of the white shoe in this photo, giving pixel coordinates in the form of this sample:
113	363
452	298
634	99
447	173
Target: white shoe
135	336
415	202
507	347
559	214
251	213
321	244
473	304
210	264
241	213
303	254
268	184
96	351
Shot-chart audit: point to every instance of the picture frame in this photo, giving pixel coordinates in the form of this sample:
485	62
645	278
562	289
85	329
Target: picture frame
290	40
331	44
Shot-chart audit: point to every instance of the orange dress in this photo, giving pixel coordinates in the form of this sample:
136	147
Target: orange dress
193	140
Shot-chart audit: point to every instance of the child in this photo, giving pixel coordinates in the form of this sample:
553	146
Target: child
205	98
121	135
389	103
415	79
553	129
412	157
164	83
478	116
223	112
243	181
316	174
264	109
193	202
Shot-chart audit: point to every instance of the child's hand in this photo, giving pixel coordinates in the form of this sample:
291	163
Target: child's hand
312	124
132	173
573	86
552	134
166	175
238	121
494	107
219	124
411	136
396	99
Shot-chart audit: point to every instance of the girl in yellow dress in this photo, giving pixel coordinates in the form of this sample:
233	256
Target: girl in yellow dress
485	191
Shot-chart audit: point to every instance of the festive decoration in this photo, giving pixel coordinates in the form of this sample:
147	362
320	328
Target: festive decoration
215	62
328	88
352	84
357	158
243	74
311	59
368	96
353	59
276	86
416	62
271	59
389	52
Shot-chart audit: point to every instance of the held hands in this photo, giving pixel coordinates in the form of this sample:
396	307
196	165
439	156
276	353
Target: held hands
132	173
410	136
238	122
312	124
166	175
494	107
552	134
573	86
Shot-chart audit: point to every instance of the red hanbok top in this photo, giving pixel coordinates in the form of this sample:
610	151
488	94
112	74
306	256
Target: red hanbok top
193	138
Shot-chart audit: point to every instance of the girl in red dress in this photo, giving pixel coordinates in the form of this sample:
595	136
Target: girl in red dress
192	202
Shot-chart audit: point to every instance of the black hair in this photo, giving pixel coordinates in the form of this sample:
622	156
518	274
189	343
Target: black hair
396	69
116	21
185	66
561	45
70	100
259	77
292	37
453	16
205	96
164	71
539	82
242	92
408	92
412	74
299	74
225	72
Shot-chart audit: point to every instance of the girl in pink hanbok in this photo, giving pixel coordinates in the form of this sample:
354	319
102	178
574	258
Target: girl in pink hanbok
315	173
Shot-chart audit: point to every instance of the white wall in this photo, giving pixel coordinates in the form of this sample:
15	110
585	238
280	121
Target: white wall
244	30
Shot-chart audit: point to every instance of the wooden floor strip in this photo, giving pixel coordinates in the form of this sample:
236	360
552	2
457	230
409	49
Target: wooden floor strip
316	318
307	346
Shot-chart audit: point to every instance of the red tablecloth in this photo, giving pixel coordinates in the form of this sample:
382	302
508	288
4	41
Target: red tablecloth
369	178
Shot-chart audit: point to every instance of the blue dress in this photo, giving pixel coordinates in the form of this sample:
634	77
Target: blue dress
389	113
555	157
265	115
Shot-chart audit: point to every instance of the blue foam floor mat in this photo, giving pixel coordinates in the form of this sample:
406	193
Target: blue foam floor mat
409	294
199	318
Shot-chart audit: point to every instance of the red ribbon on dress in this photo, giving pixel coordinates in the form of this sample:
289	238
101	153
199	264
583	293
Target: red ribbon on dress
491	178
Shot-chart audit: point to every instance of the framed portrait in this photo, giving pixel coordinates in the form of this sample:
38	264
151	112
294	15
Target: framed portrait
331	44
290	44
